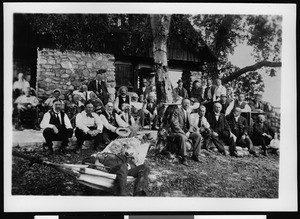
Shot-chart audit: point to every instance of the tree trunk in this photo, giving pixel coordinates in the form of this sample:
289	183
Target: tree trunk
246	69
160	24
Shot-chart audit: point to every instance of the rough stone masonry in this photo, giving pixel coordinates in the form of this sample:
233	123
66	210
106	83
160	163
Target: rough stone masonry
68	70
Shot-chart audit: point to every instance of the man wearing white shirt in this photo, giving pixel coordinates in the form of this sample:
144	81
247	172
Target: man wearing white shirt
219	90
20	85
111	121
88	126
57	126
241	103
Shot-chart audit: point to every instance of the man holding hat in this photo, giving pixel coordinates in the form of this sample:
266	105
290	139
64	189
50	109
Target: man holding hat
57	126
99	86
180	90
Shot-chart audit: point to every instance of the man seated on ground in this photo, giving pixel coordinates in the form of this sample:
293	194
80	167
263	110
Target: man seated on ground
262	133
25	110
122	97
49	102
194	105
181	132
97	103
241	103
220	131
111	121
57	127
239	127
258	105
122	165
224	102
150	111
88	126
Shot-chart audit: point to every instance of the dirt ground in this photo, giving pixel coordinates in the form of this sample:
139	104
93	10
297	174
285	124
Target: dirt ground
215	176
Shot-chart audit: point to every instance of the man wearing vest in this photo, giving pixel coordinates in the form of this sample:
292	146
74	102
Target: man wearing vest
57	127
88	127
241	103
111	121
121	98
126	116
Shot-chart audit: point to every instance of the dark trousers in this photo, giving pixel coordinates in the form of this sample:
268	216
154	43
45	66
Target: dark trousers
179	141
108	136
81	137
245	143
224	137
140	172
261	140
63	135
27	117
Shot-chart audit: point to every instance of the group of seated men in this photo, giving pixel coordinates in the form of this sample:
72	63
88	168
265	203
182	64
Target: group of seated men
212	118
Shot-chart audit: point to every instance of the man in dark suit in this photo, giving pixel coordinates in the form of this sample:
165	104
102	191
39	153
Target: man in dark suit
224	102
181	132
208	96
99	86
220	130
180	90
262	133
145	89
239	127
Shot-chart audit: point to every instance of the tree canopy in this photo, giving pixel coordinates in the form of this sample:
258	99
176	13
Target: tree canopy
222	34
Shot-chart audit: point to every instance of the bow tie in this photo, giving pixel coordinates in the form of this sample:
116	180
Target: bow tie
89	115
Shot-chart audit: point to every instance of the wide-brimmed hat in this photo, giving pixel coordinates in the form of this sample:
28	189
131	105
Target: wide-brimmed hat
101	71
179	81
123	132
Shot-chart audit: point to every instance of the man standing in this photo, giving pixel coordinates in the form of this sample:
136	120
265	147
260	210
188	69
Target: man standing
239	127
20	85
180	90
145	89
57	127
99	87
218	90
262	133
181	132
196	91
220	130
88	127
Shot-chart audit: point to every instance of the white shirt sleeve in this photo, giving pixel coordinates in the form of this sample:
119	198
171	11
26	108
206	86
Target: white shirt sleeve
132	120
98	121
35	101
247	109
45	121
121	122
116	104
229	108
79	123
67	122
106	124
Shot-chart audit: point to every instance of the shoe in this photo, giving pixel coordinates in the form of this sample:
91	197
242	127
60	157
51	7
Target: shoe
20	128
265	153
169	155
234	154
184	162
196	158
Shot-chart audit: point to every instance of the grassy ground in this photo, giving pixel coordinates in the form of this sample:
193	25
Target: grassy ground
214	176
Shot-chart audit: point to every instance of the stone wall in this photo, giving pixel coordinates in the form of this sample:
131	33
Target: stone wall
68	70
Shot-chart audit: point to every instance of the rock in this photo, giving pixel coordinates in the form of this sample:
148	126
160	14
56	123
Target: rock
42	61
64	76
152	178
65	64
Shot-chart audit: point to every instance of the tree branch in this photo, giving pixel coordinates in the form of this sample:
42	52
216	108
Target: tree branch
246	69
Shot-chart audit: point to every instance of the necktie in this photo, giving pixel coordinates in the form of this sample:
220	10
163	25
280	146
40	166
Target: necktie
57	116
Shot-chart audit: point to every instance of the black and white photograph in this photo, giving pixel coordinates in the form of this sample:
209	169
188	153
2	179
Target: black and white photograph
143	108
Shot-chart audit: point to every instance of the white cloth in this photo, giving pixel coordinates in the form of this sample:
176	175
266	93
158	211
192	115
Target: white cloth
83	121
23	99
217	115
247	108
46	119
218	92
22	85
